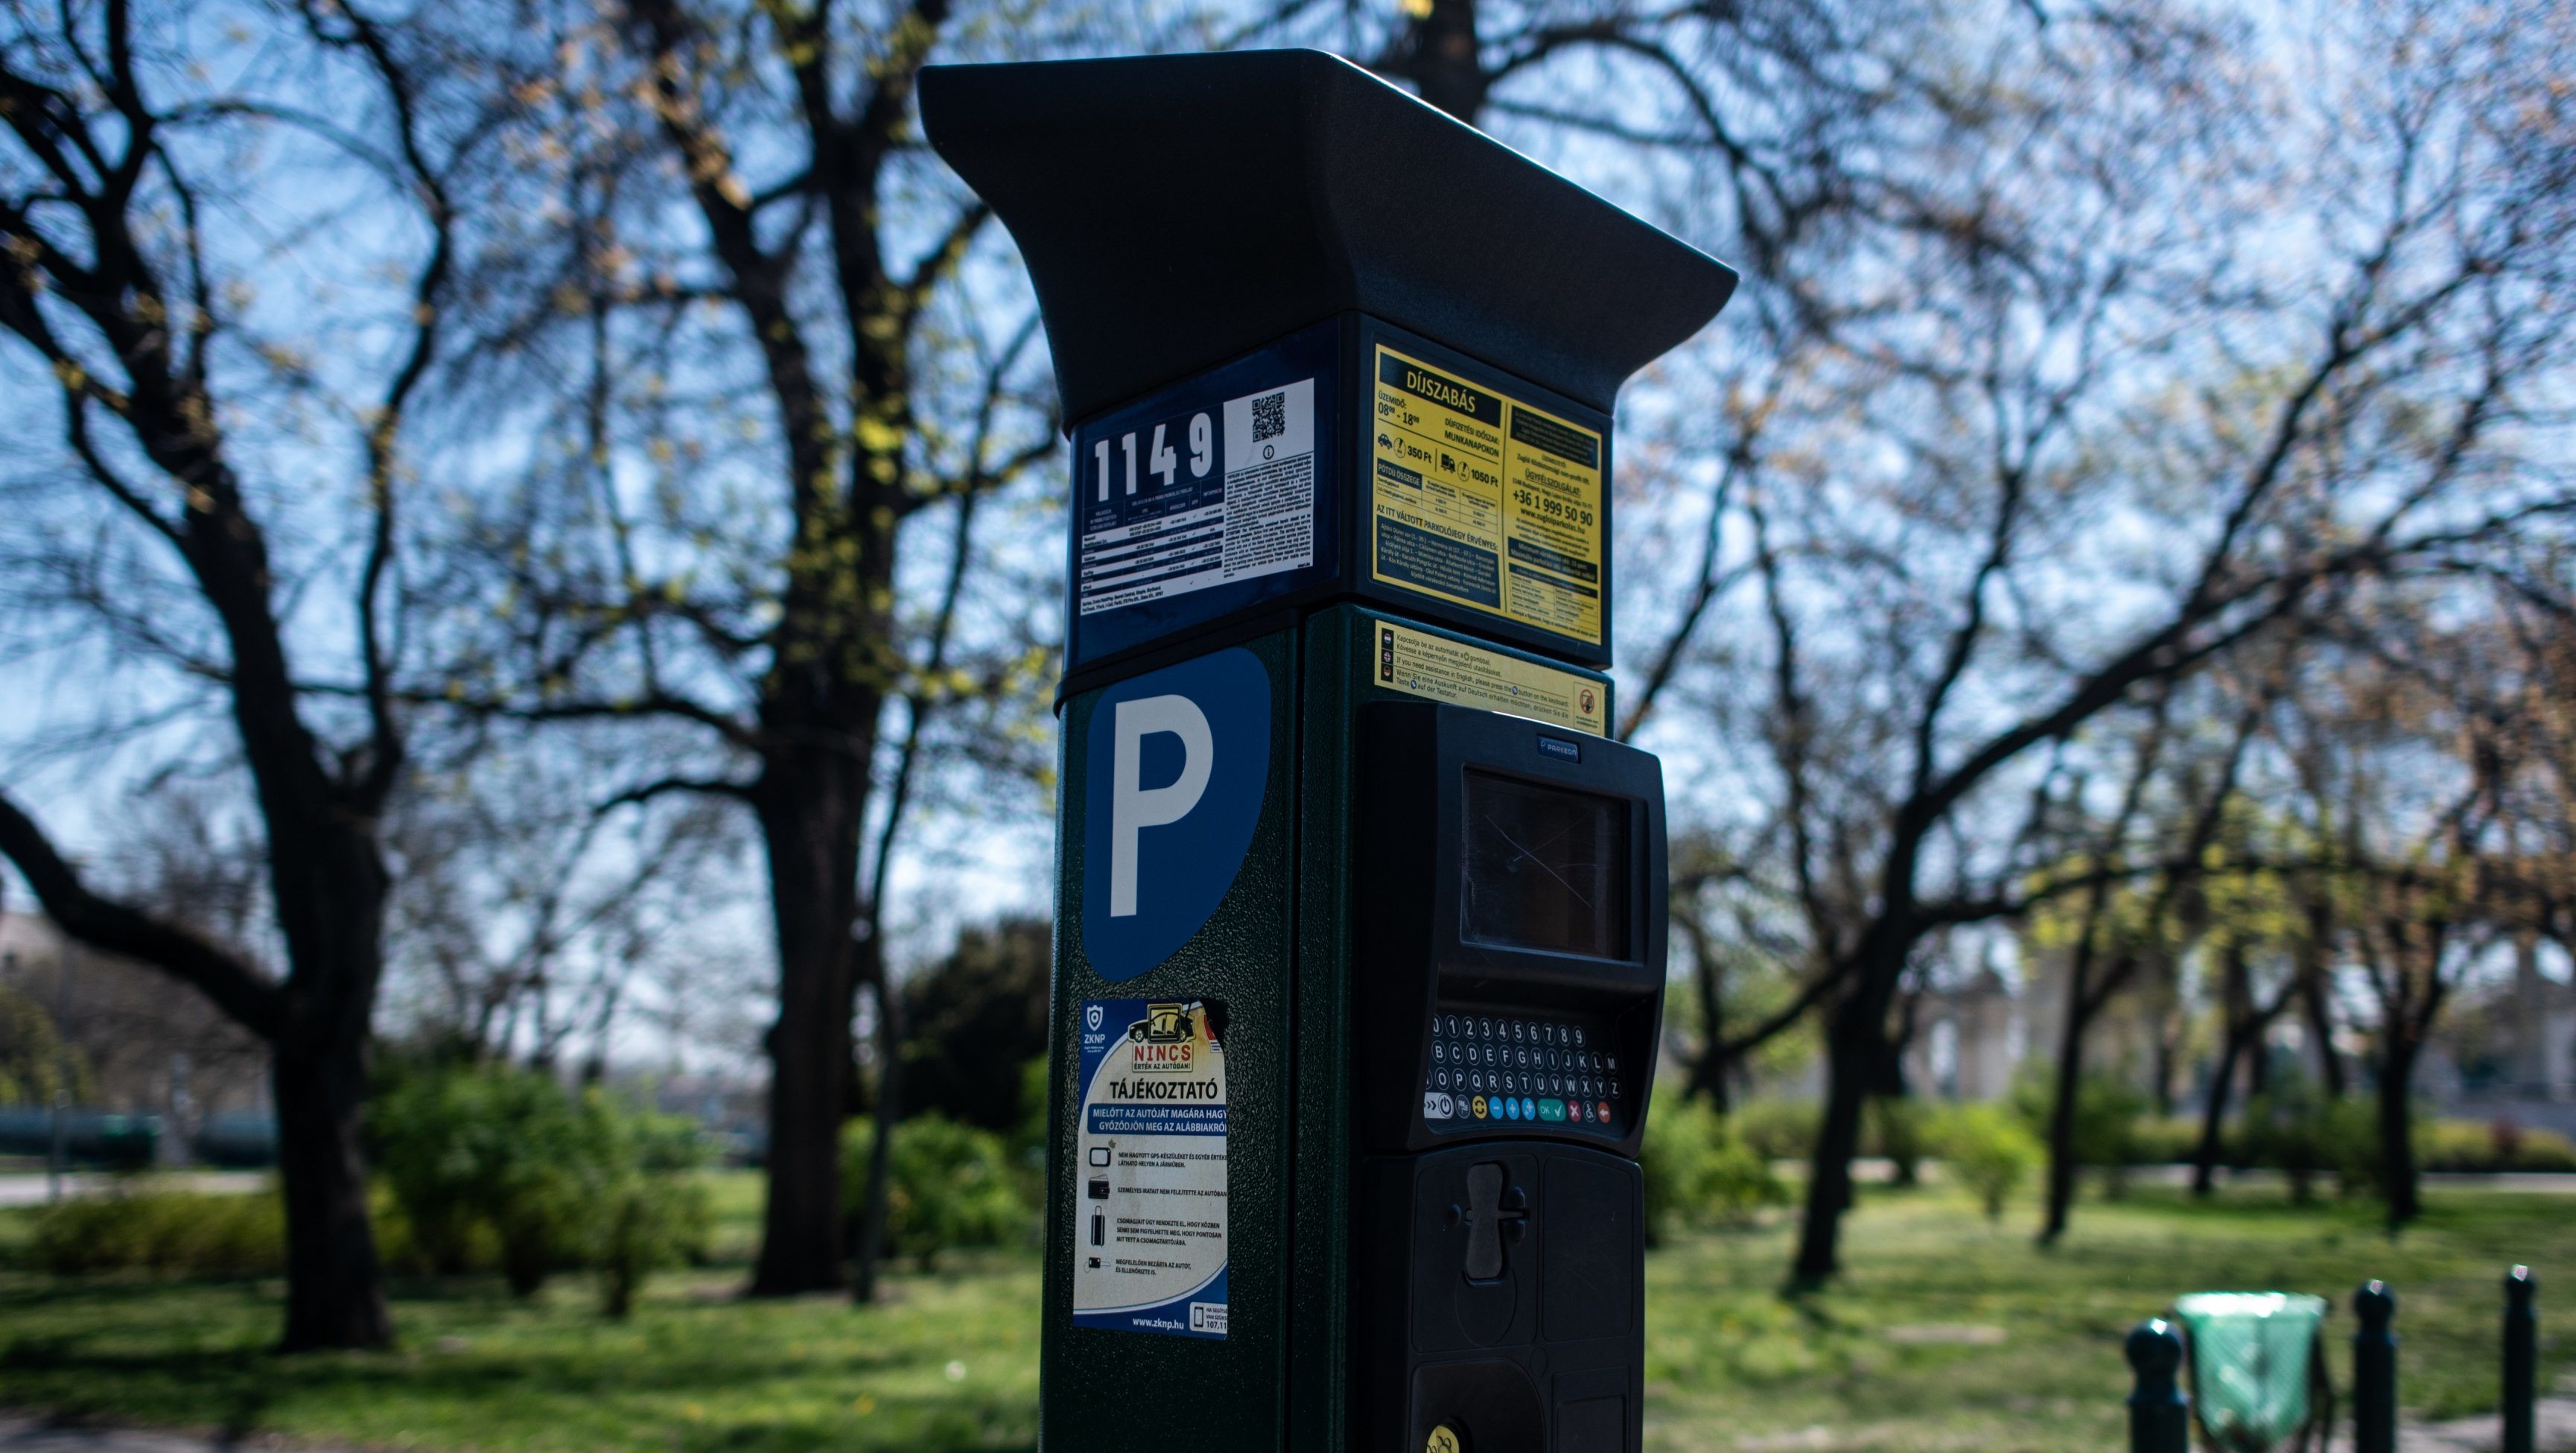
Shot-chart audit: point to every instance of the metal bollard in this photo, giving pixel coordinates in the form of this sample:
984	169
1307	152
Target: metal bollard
2374	1370
2159	1412
2521	1336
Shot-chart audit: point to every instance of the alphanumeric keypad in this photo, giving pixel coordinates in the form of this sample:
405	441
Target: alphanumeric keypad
1515	1070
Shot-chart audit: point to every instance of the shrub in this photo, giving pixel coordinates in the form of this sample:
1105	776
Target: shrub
2546	1151
1700	1171
2108	1111
499	1147
33	1057
1900	1123
651	1221
2352	1144
1778	1129
2163	1139
173	1233
2468	1145
491	1162
952	1186
2506	1137
656	1213
2290	1128
1988	1150
1028	1143
983	1005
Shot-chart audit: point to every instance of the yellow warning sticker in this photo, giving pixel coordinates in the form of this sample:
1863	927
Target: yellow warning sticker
1485	502
1423	664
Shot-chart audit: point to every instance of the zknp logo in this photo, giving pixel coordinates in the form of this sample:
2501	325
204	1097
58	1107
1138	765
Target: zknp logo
1176	760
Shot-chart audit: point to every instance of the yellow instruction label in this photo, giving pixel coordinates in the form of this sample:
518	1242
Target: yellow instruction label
1423	664
1485	502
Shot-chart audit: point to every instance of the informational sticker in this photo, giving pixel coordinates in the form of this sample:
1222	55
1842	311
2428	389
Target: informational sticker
1149	1188
1453	671
1203	498
1484	501
1175	765
1209	497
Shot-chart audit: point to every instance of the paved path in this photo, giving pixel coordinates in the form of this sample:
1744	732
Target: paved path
1870	1170
2553	1428
24	1435
35	1190
2556	1419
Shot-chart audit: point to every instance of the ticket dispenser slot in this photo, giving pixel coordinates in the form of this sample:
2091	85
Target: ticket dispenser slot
1509	882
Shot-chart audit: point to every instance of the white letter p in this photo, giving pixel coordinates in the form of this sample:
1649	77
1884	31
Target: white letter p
1132	808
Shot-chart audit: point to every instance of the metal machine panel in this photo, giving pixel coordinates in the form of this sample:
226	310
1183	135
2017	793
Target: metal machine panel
1201	1381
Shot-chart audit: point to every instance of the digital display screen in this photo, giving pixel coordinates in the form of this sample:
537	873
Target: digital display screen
1544	868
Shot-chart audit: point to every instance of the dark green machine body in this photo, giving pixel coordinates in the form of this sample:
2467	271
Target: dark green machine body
1278	951
1340	372
1231	1393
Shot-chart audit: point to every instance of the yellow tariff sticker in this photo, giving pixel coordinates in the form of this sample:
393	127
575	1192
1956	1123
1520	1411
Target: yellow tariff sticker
1485	502
1423	664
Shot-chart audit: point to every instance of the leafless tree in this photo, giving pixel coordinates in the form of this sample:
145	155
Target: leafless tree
2087	445
2175	808
791	366
527	912
2428	760
143	207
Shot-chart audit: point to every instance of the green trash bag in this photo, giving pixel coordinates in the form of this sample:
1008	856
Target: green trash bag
2251	1357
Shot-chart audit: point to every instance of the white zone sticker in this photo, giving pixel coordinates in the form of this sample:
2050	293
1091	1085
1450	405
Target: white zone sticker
1149	1193
1197	500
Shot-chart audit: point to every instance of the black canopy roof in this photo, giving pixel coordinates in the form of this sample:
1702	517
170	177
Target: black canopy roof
1177	211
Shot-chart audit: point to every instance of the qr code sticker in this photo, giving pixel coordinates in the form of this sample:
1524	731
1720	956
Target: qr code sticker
1269	416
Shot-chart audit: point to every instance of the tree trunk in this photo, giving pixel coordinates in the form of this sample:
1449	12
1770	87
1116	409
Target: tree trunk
1856	1050
2320	1017
335	1294
2162	994
2061	1115
1849	1048
888	1115
1708	1069
2244	1028
810	829
2213	1115
2315	994
2163	1070
2397	1175
1441	57
329	885
1887	1054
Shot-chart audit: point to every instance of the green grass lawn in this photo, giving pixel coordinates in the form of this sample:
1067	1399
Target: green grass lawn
1947	1333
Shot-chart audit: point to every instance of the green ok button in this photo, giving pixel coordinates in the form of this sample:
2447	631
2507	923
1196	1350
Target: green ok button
1552	1111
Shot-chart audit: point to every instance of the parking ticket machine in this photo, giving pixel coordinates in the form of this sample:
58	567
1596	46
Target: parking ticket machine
1509	983
1359	929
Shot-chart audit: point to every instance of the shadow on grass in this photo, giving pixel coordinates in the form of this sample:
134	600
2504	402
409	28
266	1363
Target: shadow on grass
241	1390
694	1369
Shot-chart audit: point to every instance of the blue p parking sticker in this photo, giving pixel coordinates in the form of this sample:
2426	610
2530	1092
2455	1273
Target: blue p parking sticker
1176	762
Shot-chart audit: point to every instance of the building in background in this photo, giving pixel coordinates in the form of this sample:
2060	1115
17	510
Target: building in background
2505	1051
